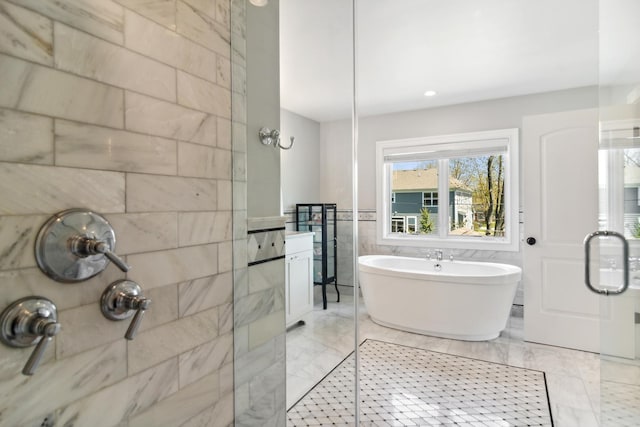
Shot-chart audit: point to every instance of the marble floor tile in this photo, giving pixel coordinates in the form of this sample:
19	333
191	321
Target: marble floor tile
572	378
407	386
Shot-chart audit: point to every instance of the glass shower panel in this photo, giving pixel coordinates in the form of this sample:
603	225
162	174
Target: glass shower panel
316	87
619	165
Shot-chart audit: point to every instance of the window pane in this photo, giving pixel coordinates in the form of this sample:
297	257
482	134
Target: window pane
632	192
476	196
414	186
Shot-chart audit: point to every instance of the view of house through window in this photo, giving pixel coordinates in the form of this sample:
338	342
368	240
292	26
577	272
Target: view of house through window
475	189
449	191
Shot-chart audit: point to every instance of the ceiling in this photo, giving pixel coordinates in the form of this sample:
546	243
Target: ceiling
466	50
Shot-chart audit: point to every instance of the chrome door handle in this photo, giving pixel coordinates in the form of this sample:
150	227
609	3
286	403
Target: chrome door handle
587	262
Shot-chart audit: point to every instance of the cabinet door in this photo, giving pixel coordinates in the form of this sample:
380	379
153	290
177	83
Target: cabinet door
299	277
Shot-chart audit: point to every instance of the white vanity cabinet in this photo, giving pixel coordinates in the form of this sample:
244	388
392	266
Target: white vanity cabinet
298	275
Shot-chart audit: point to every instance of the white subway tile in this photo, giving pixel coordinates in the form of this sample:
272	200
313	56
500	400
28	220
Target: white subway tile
144	232
92	57
224	134
166	341
38	89
25	138
223	14
155	269
203	162
102	18
203	29
156	117
196	228
95	147
205	359
225	256
58	384
113	405
30	189
223	68
24	282
204	293
85	328
199	94
225	189
17	239
181	406
160	11
25	34
150	193
156	41
208	7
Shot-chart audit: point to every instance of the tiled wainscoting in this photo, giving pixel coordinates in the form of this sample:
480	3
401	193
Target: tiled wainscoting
122	107
260	327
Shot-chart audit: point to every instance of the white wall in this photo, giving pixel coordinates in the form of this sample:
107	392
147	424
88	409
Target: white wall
337	160
477	116
263	109
300	166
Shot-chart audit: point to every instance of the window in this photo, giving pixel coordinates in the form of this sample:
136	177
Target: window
397	224
412	222
430	198
456	191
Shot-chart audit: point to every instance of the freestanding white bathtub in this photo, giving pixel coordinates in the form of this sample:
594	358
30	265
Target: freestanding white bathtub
451	299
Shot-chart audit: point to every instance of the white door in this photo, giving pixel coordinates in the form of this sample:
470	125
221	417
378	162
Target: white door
560	174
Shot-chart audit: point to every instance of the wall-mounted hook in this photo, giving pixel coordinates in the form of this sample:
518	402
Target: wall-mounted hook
272	137
290	145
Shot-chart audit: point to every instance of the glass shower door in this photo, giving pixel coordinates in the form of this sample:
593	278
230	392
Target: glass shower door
619	164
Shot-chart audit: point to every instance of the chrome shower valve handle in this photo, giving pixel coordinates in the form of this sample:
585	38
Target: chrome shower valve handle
75	245
30	321
85	246
123	299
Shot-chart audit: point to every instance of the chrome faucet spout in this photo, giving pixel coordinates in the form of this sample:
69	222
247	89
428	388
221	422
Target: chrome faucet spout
438	254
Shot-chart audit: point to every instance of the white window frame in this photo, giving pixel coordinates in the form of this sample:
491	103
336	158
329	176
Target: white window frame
431	199
398	219
442	148
408	223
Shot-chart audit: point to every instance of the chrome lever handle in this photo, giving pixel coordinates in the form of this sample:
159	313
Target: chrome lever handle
85	246
119	262
142	304
26	322
122	300
49	331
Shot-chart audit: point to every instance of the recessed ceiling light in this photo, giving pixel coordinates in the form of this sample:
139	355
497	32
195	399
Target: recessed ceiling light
259	3
430	93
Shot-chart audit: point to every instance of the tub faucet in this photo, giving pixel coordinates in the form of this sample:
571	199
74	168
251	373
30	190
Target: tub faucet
438	253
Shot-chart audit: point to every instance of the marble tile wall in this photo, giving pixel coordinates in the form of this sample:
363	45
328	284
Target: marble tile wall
122	107
259	325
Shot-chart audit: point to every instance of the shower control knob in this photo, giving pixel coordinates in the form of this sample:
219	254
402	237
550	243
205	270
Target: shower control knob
75	245
29	321
123	299
531	241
